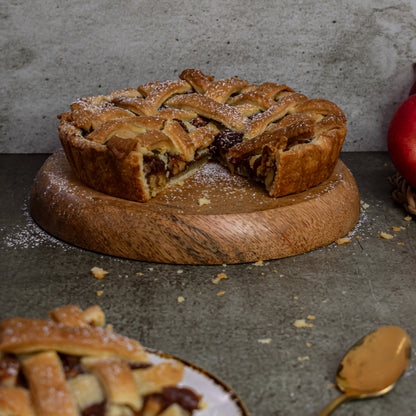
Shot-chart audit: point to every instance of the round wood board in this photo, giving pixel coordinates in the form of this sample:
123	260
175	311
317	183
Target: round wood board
213	217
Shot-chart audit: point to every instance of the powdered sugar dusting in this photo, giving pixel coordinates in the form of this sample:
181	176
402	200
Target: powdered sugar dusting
29	235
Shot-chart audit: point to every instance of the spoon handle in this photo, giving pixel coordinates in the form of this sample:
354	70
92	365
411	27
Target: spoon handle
330	407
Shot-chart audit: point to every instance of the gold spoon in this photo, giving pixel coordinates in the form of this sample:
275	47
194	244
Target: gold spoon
372	366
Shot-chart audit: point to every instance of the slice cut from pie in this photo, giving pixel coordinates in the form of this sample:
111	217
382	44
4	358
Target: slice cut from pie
71	364
135	142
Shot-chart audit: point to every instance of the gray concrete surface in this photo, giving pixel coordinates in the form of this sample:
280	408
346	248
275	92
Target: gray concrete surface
358	53
350	289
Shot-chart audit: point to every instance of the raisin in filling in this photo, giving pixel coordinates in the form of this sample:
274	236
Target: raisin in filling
224	141
96	409
200	121
9	370
186	398
71	365
153	165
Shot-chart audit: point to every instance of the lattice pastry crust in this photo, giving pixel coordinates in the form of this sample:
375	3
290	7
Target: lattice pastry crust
134	142
71	365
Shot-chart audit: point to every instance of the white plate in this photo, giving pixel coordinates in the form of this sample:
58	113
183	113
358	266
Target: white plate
220	399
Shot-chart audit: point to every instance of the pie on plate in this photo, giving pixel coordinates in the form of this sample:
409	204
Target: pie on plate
133	143
72	364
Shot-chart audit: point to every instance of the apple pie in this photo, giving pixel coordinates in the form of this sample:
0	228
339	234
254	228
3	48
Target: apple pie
73	365
133	143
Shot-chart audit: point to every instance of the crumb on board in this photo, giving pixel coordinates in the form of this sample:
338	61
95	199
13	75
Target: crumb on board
311	317
385	236
203	201
139	274
98	272
258	263
264	341
305	358
301	323
221	293
344	240
400	244
308	344
220	276
99	292
408	218
181	299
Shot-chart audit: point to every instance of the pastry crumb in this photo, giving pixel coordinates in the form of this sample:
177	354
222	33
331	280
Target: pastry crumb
311	317
98	272
203	201
305	358
397	228
139	274
221	293
400	244
220	276
258	263
301	323
408	218
344	240
264	341
364	205
99	292
308	344
181	299
180	271
386	236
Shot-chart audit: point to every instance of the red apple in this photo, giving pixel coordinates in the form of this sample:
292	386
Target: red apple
401	140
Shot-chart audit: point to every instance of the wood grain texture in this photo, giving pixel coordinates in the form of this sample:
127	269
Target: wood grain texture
213	217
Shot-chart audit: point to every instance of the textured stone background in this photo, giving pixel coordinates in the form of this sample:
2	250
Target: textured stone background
358	53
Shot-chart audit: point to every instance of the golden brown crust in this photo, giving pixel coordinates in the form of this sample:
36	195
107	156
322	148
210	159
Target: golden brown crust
133	142
44	373
15	401
23	336
70	366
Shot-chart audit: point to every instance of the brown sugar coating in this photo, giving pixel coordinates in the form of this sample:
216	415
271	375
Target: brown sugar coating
72	365
135	142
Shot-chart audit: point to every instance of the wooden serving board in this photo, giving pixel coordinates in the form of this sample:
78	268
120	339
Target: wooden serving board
212	218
